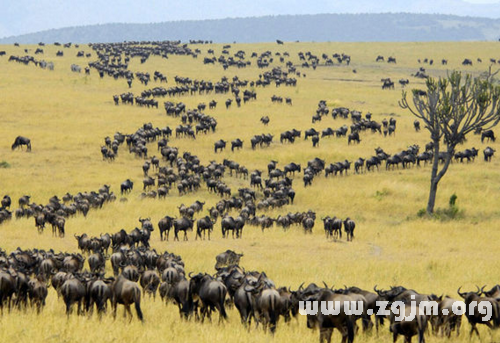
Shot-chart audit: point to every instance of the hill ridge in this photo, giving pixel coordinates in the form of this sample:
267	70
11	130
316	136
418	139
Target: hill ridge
383	27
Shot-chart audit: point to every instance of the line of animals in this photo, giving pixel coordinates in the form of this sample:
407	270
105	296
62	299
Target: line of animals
27	275
56	211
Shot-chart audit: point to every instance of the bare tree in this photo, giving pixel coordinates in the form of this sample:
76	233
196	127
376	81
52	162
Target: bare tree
451	108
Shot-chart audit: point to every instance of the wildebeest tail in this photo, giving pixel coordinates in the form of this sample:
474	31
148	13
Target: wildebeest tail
222	297
422	327
350	328
496	315
137	301
272	314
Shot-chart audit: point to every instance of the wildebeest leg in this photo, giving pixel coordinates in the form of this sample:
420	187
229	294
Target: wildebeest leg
325	334
115	305
68	308
394	336
472	329
185	235
129	311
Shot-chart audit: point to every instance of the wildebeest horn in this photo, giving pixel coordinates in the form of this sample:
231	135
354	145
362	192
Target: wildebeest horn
249	289
190	274
482	289
478	290
326	286
300	287
458	291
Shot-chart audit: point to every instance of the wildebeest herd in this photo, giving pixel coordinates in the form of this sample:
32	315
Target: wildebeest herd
26	274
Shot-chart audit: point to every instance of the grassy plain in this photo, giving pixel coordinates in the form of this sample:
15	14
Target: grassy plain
67	116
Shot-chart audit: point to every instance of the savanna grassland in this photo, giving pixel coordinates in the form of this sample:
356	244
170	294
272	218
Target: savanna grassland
67	115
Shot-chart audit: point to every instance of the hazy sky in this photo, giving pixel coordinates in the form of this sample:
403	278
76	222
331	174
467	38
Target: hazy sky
27	16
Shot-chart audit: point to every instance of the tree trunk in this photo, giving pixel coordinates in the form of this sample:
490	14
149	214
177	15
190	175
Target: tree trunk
434	181
436	177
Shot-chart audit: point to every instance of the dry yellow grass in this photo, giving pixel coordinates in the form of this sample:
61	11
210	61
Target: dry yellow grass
67	116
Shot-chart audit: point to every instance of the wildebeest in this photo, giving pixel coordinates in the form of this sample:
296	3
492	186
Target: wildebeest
126	186
227	258
148	182
228	224
165	224
488	154
7	289
73	291
20	141
267	302
211	293
37	292
343	321
220	144
474	316
237	143
489	134
353	137
416	125
99	293
149	282
182	224
6	201
204	224
349	226
126	292
443	323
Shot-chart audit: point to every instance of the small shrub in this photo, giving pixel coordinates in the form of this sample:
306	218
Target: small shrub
4	164
421	213
453	200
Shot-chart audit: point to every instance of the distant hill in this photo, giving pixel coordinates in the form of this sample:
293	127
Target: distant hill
320	27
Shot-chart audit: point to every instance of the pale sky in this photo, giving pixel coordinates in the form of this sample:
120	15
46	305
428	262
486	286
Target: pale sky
27	16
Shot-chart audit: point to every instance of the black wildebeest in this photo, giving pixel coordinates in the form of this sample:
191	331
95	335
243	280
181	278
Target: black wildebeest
126	292
20	141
